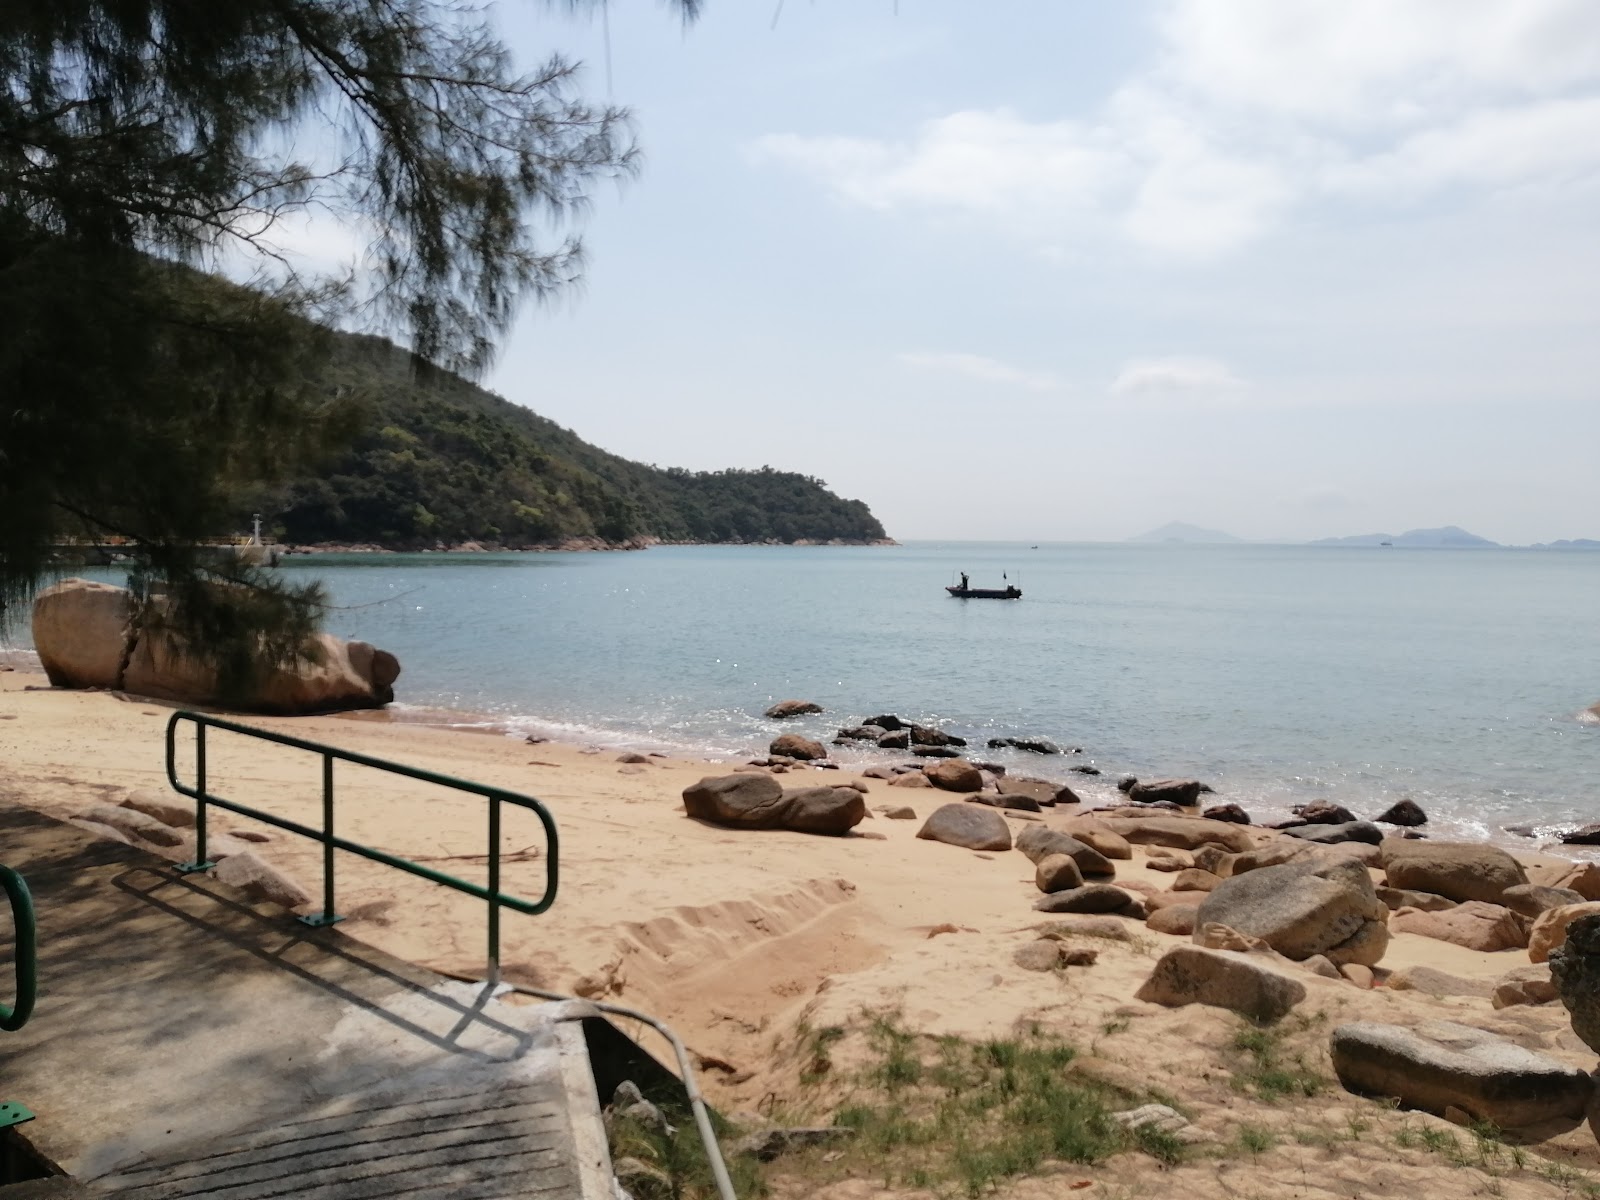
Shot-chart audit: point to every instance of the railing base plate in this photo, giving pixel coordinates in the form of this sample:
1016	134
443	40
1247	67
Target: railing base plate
320	920
191	868
12	1113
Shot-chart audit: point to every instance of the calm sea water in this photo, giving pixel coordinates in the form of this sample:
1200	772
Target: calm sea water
1276	673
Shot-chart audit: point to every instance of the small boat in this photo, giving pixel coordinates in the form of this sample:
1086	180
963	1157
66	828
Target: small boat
972	593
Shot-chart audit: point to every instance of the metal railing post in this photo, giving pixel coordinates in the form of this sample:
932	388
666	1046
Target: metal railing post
329	915
200	863
494	890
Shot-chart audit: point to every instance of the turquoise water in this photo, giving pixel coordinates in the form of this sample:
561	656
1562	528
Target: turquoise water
1276	673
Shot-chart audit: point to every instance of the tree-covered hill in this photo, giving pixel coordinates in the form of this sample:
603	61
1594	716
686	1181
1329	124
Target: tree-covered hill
437	459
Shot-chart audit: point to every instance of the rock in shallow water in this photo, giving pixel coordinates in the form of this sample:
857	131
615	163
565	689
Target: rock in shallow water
1183	792
1403	812
1439	1065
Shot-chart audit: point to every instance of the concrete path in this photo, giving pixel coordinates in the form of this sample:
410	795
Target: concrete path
188	1043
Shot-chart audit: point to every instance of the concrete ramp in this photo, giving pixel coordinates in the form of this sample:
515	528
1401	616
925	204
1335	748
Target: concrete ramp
188	1043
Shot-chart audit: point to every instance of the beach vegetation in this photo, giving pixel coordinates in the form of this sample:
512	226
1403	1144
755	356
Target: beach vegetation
958	1116
1268	1066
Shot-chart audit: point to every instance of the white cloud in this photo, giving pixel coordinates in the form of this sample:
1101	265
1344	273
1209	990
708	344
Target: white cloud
1252	110
988	370
1168	376
1377	60
1550	143
993	162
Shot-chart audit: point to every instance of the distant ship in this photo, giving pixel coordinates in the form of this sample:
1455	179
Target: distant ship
1385	543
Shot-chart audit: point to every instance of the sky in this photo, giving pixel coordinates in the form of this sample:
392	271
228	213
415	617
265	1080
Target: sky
1071	269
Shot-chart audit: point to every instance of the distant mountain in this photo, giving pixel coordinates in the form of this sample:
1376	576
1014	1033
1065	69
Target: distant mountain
1177	531
1568	544
1450	537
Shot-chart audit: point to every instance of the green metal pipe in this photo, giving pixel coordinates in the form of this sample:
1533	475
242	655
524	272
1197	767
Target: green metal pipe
27	950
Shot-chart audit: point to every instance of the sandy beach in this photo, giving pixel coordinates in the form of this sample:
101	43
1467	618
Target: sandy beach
744	941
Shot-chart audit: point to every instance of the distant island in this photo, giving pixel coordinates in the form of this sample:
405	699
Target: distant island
438	462
1568	544
1177	531
1451	537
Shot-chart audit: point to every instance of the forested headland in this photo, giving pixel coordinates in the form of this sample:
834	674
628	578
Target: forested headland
436	460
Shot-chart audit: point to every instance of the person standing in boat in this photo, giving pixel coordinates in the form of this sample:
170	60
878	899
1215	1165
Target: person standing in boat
963	581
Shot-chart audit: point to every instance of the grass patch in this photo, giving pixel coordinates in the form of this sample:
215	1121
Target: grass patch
1255	1140
1268	1068
960	1117
678	1158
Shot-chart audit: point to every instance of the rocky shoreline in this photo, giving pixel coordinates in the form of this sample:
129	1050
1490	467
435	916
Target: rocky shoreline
564	545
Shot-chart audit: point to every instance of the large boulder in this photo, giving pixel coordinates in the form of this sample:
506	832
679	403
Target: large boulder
1245	983
826	810
970	825
1550	928
926	735
1583	878
745	801
1439	1065
81	633
1323	812
1403	812
1040	791
1178	832
1575	971
85	638
792	745
1099	837
1472	924
1091	898
1305	908
955	775
1532	901
784	709
1039	842
1333	835
1455	870
1057	873
1183	792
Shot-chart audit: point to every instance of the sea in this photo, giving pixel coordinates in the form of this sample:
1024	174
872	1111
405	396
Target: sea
1277	674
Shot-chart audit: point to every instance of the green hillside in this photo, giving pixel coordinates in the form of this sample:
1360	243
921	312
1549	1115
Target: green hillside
439	460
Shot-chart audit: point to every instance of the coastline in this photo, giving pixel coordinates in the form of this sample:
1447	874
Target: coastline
570	545
744	940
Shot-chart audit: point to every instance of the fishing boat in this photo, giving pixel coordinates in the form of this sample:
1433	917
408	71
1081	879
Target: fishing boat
962	591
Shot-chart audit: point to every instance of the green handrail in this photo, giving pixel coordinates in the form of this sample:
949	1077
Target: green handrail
27	963
492	894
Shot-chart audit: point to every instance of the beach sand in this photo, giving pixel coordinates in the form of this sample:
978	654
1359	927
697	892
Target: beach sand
741	940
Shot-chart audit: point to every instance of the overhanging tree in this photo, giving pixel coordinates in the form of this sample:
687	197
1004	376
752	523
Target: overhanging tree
144	142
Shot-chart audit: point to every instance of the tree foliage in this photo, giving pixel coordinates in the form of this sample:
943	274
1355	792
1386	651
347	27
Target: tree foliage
439	460
142	140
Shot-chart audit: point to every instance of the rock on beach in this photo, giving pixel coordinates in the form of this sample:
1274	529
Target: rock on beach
968	825
1439	1065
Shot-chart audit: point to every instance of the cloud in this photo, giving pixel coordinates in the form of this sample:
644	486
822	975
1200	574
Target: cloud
1252	111
1167	376
1376	61
992	162
988	370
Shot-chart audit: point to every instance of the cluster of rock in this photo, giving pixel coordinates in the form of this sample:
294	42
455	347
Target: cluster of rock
86	636
164	825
